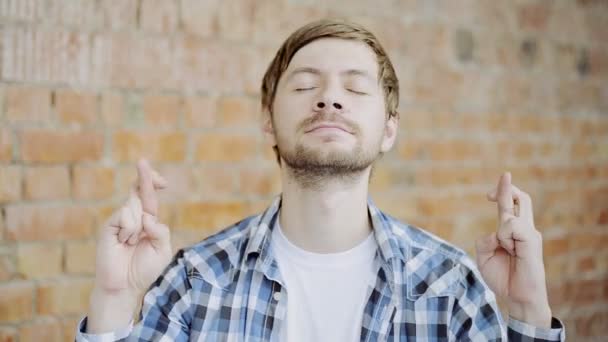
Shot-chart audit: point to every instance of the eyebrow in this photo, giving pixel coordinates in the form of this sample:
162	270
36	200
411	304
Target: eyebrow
314	71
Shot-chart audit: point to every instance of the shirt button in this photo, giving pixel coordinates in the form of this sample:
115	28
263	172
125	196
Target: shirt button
276	296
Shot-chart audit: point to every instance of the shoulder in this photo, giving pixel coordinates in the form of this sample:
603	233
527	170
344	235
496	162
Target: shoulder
433	266
215	258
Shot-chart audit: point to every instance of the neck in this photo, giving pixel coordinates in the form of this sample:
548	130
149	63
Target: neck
329	218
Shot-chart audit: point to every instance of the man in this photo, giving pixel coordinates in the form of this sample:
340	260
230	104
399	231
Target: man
322	263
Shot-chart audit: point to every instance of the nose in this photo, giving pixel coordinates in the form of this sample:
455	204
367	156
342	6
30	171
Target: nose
323	104
330	98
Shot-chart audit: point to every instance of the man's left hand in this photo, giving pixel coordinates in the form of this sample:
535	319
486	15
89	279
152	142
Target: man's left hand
511	259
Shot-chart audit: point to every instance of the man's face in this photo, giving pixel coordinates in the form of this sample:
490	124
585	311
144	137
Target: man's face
329	112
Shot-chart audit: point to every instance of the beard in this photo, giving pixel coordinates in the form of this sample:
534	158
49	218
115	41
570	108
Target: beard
314	166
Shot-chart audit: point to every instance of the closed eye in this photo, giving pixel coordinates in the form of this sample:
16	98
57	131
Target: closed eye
357	92
304	89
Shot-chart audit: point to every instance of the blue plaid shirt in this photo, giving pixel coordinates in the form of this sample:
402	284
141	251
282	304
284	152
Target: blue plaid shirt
228	288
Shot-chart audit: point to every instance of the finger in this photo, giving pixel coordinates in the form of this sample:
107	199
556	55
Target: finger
134	204
114	220
147	194
159	181
524	203
504	197
505	237
133	239
127	225
485	248
158	233
491	195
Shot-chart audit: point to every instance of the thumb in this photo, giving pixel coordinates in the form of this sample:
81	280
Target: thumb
485	248
157	232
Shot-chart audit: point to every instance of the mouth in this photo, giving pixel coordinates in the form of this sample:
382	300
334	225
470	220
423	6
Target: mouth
328	128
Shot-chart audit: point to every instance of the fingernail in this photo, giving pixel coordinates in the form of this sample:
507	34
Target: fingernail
150	218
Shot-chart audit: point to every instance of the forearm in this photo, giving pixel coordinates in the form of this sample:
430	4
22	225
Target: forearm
538	314
110	311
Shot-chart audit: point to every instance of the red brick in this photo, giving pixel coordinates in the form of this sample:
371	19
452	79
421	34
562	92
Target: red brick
38	222
181	179
554	247
112	109
27	104
456	149
142	62
76	107
225	147
7	267
23	11
16	301
208	216
414	149
80	257
93	182
381	178
534	16
6	145
41	329
215	180
2	225
162	110
427	76
587	240
56	146
593	325
10	183
199	112
450	205
8	334
39	260
70	14
68	327
232	29
260	181
576	97
158	15
199	17
156	146
586	264
586	291
47	182
119	15
287	17
599	62
446	176
567	12
64	296
237	111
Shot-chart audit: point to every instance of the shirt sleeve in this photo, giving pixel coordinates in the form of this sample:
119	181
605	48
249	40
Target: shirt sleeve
476	316
521	331
165	313
117	335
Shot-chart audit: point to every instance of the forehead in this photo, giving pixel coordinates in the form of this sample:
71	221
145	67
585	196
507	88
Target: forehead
334	54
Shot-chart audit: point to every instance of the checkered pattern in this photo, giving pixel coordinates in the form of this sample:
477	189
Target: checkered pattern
222	289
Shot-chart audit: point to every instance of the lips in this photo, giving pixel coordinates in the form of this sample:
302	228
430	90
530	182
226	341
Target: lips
329	125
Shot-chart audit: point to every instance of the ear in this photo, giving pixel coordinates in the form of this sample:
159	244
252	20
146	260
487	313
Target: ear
268	128
390	133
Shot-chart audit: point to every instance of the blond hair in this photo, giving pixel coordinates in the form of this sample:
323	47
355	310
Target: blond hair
330	28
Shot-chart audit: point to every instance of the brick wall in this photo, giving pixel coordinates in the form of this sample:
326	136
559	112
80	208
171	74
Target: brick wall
88	86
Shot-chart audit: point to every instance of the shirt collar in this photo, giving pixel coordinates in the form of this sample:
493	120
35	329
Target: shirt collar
389	245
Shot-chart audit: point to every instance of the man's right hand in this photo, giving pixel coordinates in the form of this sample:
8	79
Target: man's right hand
133	248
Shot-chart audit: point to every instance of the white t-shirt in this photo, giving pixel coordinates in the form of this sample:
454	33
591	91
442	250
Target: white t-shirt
326	293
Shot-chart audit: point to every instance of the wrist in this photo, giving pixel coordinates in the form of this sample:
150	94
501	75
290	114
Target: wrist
109	311
536	314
